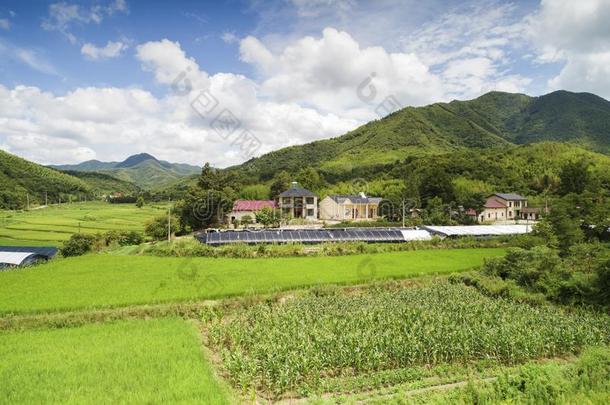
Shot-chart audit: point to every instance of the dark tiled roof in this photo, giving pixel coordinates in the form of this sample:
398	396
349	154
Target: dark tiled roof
297	191
510	196
356	199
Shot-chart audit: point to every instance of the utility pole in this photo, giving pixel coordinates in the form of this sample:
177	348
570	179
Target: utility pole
169	221
403	213
27	198
46	200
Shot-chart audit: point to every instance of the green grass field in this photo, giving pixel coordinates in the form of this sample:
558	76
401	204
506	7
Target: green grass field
96	281
53	225
158	361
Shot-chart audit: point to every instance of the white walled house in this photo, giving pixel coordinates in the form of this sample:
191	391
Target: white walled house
349	208
502	207
242	208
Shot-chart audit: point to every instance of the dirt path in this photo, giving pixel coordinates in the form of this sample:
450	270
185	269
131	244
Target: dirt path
378	394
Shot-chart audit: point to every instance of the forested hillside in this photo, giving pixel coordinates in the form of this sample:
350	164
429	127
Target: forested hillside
21	179
493	121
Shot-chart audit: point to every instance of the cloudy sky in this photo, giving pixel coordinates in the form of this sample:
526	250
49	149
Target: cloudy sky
221	82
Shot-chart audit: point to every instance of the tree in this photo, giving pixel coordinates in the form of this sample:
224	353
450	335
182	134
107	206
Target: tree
475	201
574	177
202	209
566	225
140	202
210	178
437	213
157	228
78	245
268	216
310	179
246	220
544	229
436	183
280	183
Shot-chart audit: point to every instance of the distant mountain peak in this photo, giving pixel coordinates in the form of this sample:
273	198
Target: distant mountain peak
135	160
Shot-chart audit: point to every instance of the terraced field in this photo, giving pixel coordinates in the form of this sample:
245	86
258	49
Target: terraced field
53	225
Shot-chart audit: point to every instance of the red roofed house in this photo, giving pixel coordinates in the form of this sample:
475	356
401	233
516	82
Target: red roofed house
502	207
242	208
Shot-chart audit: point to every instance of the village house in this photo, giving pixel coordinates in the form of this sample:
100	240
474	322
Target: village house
349	208
502	207
297	202
242	208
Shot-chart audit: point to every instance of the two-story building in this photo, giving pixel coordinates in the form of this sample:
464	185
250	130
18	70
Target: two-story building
502	207
349	208
298	202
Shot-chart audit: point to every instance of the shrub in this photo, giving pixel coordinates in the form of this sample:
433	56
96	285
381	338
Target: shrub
157	228
78	245
123	238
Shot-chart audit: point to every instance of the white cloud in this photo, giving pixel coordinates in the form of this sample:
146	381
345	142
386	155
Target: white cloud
62	16
29	57
327	72
111	123
577	35
111	50
229	38
5	24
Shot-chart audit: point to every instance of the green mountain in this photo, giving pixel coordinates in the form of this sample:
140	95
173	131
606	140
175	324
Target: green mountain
21	180
143	170
104	184
493	121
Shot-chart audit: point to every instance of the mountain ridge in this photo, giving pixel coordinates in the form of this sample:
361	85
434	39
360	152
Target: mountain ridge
142	169
494	120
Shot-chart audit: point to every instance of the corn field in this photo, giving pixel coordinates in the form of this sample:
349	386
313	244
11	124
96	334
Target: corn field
279	348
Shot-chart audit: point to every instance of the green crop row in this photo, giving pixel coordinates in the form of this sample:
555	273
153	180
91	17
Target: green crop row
292	346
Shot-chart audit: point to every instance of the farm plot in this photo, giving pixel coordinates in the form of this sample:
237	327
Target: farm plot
55	224
156	361
297	345
102	281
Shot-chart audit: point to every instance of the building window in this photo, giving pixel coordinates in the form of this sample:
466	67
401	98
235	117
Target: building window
510	203
309	200
286	201
310	212
517	204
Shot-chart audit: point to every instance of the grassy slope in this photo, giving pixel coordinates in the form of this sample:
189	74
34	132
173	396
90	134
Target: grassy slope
53	225
96	281
157	361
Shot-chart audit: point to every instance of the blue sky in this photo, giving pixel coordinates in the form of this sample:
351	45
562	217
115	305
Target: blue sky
82	80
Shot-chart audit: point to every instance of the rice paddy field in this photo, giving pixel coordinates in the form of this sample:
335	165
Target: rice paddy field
102	281
52	225
144	362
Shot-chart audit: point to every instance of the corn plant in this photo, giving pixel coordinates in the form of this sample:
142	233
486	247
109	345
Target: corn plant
284	347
